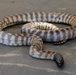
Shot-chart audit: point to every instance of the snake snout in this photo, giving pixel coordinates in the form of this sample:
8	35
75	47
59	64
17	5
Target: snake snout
58	58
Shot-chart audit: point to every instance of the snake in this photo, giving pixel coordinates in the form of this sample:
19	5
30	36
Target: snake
42	29
36	42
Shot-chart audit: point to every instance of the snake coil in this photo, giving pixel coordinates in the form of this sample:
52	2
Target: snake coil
36	49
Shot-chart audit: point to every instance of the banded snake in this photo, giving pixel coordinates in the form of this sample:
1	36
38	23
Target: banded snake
36	49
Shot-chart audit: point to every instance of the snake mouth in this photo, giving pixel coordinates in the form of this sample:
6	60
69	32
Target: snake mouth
58	58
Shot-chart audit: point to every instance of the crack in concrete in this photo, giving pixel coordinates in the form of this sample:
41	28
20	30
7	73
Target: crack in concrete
37	68
62	8
9	55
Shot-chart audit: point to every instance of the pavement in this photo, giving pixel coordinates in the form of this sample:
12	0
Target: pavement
16	60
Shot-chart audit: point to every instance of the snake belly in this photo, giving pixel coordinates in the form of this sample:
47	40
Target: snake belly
36	49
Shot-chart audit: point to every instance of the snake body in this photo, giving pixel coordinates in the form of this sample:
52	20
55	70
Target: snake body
36	49
45	30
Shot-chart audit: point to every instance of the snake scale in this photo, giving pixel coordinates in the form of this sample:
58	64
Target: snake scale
36	49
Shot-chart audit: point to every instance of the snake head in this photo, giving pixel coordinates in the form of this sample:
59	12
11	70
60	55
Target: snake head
58	58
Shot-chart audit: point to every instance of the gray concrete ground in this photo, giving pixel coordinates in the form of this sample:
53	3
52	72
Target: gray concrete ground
16	60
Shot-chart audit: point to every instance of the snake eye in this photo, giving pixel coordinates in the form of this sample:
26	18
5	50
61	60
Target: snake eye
58	58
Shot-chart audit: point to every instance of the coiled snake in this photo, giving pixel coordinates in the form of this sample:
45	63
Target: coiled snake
36	49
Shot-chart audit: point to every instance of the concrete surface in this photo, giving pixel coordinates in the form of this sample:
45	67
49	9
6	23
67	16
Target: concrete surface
16	60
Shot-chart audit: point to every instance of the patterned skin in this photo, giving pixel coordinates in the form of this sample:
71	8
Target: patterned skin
43	30
36	49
